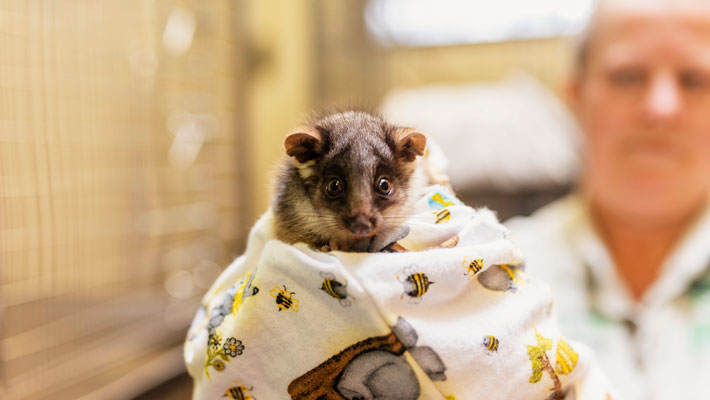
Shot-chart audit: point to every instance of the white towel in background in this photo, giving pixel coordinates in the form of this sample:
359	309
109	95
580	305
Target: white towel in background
463	322
475	124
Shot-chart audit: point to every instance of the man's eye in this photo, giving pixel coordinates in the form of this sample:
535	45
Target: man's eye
627	78
694	80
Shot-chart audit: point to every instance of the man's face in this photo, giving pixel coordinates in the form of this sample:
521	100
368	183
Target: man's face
644	103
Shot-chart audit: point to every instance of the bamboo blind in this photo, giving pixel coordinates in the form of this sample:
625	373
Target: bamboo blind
120	177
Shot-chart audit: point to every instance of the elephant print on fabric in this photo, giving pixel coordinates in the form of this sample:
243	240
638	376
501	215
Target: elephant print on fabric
373	368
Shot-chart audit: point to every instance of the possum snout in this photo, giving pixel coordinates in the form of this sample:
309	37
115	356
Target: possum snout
360	225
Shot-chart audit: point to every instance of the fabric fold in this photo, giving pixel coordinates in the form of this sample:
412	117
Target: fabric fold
424	322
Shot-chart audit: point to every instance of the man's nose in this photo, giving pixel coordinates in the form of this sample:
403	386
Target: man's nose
664	100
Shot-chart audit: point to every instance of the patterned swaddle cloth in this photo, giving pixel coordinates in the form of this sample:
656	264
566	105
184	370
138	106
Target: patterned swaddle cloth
448	313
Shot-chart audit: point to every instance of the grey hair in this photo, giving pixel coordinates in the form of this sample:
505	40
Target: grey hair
601	7
583	40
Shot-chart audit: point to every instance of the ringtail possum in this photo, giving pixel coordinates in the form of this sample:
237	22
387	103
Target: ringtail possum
349	182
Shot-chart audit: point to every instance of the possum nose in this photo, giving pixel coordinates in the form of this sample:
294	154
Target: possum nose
360	225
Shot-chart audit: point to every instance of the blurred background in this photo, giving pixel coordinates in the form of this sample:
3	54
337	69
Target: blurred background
137	141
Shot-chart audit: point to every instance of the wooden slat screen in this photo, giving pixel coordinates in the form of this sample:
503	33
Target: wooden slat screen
121	183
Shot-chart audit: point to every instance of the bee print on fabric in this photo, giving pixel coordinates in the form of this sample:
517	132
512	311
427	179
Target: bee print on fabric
490	342
218	353
284	299
442	216
472	266
565	358
335	289
416	284
239	393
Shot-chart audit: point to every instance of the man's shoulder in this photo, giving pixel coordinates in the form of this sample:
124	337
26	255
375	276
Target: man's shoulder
544	237
552	220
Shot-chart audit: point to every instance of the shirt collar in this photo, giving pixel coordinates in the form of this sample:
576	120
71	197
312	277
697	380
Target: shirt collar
608	292
687	262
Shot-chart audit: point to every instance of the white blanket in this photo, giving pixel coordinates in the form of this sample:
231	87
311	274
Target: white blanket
463	322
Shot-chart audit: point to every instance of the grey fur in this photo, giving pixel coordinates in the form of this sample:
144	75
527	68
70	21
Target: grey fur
359	148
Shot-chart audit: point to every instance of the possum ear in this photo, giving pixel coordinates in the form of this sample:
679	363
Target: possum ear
303	143
410	144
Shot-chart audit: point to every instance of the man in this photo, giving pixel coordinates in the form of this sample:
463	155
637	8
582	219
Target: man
628	256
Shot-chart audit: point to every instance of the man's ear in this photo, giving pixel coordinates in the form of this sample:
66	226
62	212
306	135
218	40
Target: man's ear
410	144
304	144
572	92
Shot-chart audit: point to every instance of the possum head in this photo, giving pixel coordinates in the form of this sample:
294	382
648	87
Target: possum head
358	172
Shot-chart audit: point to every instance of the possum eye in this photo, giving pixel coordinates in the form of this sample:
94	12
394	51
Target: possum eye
384	186
334	187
